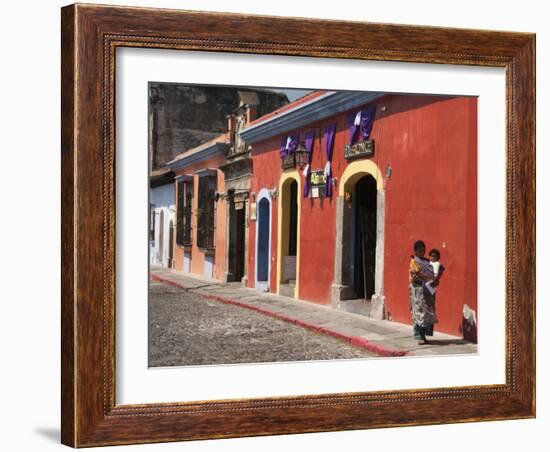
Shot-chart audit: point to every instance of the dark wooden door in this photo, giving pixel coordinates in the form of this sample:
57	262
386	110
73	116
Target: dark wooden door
239	242
365	237
263	241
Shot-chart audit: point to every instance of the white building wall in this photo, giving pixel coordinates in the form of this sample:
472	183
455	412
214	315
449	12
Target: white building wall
163	206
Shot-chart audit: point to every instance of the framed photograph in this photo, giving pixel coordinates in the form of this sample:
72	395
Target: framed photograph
281	225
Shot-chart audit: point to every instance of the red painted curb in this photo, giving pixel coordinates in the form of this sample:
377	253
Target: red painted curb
168	281
356	341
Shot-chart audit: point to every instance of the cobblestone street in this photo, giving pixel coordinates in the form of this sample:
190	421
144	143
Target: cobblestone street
190	312
187	328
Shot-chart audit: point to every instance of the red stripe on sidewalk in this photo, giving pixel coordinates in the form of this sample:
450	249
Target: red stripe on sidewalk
356	341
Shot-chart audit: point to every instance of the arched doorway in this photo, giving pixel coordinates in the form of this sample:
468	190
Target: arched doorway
291	221
263	241
288	256
364	237
359	242
161	237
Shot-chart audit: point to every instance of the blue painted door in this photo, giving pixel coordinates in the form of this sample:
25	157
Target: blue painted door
263	240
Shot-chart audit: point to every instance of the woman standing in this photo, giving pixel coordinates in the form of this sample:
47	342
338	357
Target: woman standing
421	301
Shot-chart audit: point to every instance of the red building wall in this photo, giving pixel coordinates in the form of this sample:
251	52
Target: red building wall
431	145
431	196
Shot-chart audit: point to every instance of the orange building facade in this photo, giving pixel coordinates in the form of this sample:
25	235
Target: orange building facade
212	186
199	246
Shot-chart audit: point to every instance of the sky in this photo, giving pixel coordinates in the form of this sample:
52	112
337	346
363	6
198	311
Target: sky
293	94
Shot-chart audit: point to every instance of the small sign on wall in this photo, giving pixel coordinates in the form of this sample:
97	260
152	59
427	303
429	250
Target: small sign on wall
317	192
318	181
359	150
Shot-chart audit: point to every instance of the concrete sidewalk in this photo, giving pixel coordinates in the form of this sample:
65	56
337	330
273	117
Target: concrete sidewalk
382	337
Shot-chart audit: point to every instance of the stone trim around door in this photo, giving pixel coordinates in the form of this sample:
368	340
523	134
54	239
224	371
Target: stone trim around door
341	288
286	176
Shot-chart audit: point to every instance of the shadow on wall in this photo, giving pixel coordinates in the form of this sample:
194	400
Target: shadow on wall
52	434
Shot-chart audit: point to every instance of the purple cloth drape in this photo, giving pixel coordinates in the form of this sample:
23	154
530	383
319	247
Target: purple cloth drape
330	132
288	145
309	141
364	128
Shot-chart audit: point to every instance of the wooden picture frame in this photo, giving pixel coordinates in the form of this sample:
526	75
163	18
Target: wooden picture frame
90	36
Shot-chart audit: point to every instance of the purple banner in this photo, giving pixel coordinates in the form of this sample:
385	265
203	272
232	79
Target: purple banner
309	141
360	124
288	145
330	132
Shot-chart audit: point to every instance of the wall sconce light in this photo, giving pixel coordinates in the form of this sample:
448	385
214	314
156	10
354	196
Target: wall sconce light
274	192
388	171
301	156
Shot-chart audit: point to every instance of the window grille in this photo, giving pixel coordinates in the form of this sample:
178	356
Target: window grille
188	214
206	212
180	214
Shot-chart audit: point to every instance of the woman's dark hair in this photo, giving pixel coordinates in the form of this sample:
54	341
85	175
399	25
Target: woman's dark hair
419	244
435	252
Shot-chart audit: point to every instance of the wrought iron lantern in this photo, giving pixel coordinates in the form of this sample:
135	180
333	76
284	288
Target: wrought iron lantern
301	155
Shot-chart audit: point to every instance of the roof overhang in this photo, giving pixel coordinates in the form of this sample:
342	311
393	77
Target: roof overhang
206	172
159	178
325	106
200	155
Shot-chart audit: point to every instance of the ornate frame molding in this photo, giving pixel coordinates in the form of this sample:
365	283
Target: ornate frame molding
90	36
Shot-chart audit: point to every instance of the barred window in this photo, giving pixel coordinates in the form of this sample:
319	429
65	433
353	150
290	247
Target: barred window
184	216
206	212
188	213
179	213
